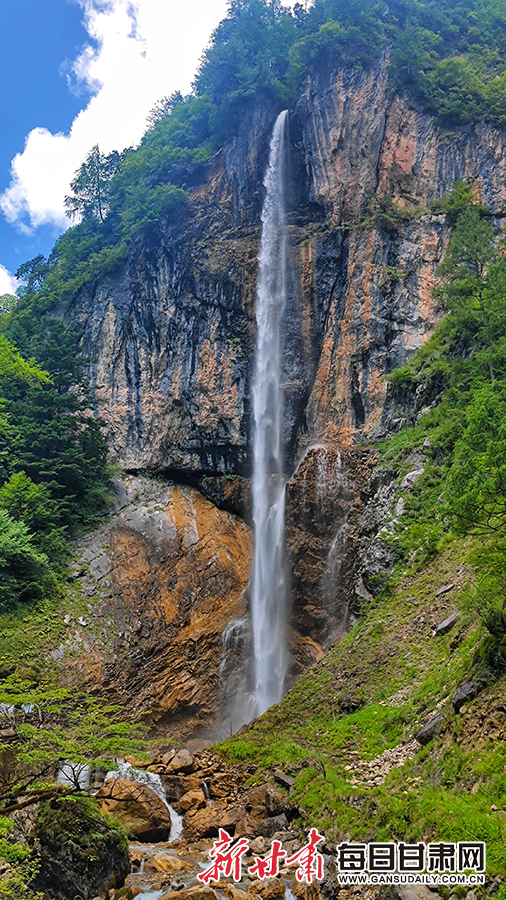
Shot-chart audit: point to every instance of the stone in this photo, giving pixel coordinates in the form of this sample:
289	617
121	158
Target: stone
125	893
465	692
430	730
409	479
444	589
267	795
235	893
193	892
407	892
282	778
259	846
181	762
192	800
201	823
167	864
268	888
447	624
232	816
223	784
137	807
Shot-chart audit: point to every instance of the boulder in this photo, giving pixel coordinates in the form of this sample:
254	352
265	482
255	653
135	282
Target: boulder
447	624
193	892
188	782
234	893
137	807
223	784
231	817
81	854
267	796
181	762
430	730
167	864
193	800
202	823
465	692
269	889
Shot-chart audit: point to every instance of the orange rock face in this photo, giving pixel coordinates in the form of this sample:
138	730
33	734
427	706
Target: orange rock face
164	577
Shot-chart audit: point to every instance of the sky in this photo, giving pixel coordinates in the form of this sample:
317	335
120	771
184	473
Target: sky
74	73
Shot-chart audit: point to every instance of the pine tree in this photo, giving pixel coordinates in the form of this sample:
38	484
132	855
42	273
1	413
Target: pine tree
90	186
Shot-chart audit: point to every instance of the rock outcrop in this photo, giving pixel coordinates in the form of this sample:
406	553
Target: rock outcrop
163	577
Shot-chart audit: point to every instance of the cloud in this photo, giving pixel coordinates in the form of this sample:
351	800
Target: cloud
142	50
8	284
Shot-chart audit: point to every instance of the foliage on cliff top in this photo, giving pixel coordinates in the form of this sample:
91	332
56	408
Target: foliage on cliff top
448	54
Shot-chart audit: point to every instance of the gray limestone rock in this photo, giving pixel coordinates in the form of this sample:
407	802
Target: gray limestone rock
430	730
447	624
465	692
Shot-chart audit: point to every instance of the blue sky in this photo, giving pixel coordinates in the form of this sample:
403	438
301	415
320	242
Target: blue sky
37	40
74	73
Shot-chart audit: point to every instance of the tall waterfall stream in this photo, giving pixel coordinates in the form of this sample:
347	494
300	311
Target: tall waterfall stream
268	604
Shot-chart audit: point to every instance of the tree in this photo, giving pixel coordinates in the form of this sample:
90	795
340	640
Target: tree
45	728
90	186
163	108
12	365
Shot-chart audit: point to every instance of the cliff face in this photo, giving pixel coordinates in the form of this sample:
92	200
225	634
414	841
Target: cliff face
172	335
165	574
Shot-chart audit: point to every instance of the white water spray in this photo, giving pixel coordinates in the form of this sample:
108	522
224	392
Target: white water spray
269	579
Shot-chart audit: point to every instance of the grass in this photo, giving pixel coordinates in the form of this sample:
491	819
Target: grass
399	674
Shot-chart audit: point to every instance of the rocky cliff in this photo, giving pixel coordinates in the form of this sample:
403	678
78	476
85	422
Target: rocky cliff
172	342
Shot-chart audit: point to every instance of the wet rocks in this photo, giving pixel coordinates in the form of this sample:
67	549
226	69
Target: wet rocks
137	807
202	823
192	800
193	892
168	865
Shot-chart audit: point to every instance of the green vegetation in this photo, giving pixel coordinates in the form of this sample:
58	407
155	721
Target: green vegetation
53	475
23	868
450	56
458	380
48	726
394	673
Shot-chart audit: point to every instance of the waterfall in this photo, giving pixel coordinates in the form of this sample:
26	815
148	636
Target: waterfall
268	600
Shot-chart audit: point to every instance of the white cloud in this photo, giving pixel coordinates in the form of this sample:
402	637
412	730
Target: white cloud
144	50
8	284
